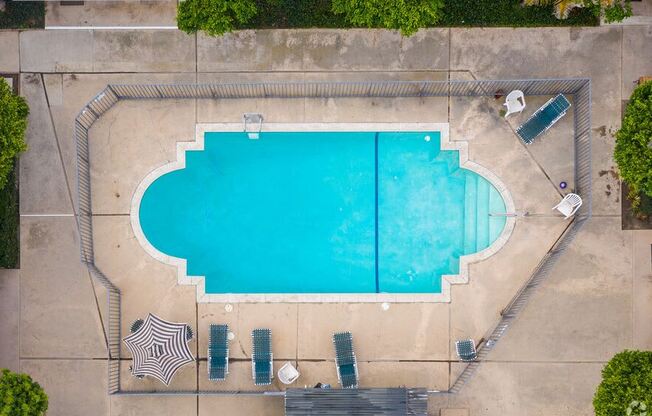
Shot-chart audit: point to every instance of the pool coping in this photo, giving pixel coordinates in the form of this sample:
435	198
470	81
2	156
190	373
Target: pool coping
447	280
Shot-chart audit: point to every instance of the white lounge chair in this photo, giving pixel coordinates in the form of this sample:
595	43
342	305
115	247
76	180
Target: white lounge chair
515	102
288	374
569	205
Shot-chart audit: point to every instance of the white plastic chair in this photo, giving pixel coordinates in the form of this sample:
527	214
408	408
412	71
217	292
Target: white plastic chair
288	374
569	205
515	102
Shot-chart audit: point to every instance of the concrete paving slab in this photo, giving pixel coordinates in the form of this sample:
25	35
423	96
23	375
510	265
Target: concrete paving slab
583	311
143	51
147	285
54	89
454	412
476	306
9	61
153	405
74	387
359	49
42	180
107	51
130	141
431	375
323	49
251	50
281	318
9	325
417	331
356	110
112	13
230	405
637	56
184	379
77	90
642	289
53	51
58	310
537	389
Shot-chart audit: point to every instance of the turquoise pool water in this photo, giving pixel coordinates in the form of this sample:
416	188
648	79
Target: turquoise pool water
321	212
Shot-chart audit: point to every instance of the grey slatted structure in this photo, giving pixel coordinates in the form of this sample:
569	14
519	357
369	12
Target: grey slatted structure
159	348
262	366
218	352
345	361
356	402
578	88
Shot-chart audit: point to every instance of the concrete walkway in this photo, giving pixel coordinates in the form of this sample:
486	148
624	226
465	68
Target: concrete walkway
594	305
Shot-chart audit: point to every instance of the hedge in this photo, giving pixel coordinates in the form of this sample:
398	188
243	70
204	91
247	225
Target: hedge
23	15
508	13
633	152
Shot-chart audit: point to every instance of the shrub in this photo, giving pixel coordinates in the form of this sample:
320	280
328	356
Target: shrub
22	15
633	153
215	17
612	10
406	15
13	123
625	379
21	396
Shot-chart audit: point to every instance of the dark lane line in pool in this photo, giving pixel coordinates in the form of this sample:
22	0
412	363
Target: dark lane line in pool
376	209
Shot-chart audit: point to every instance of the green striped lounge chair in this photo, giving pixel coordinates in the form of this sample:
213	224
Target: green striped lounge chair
262	367
544	118
345	361
466	350
218	352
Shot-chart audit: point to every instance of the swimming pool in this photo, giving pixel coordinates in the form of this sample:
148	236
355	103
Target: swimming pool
321	212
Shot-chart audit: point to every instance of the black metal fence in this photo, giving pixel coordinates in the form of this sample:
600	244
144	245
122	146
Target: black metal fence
579	89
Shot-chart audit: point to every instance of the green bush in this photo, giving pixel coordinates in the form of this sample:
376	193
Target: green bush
626	378
21	396
616	12
23	15
633	153
13	123
215	17
407	15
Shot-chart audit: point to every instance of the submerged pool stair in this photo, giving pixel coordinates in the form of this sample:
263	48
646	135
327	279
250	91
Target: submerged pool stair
481	201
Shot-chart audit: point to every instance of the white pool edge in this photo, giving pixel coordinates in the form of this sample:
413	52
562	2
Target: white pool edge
199	281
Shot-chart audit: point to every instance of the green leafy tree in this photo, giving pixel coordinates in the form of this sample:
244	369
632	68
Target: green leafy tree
13	123
215	17
21	396
633	153
626	384
407	15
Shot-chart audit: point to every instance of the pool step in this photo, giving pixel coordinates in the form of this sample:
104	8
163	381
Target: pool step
470	212
482	215
477	206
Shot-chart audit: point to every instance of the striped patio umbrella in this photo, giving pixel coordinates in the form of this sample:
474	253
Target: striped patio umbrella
159	348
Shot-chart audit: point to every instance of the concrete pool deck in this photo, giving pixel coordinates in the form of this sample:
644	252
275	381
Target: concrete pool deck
594	304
